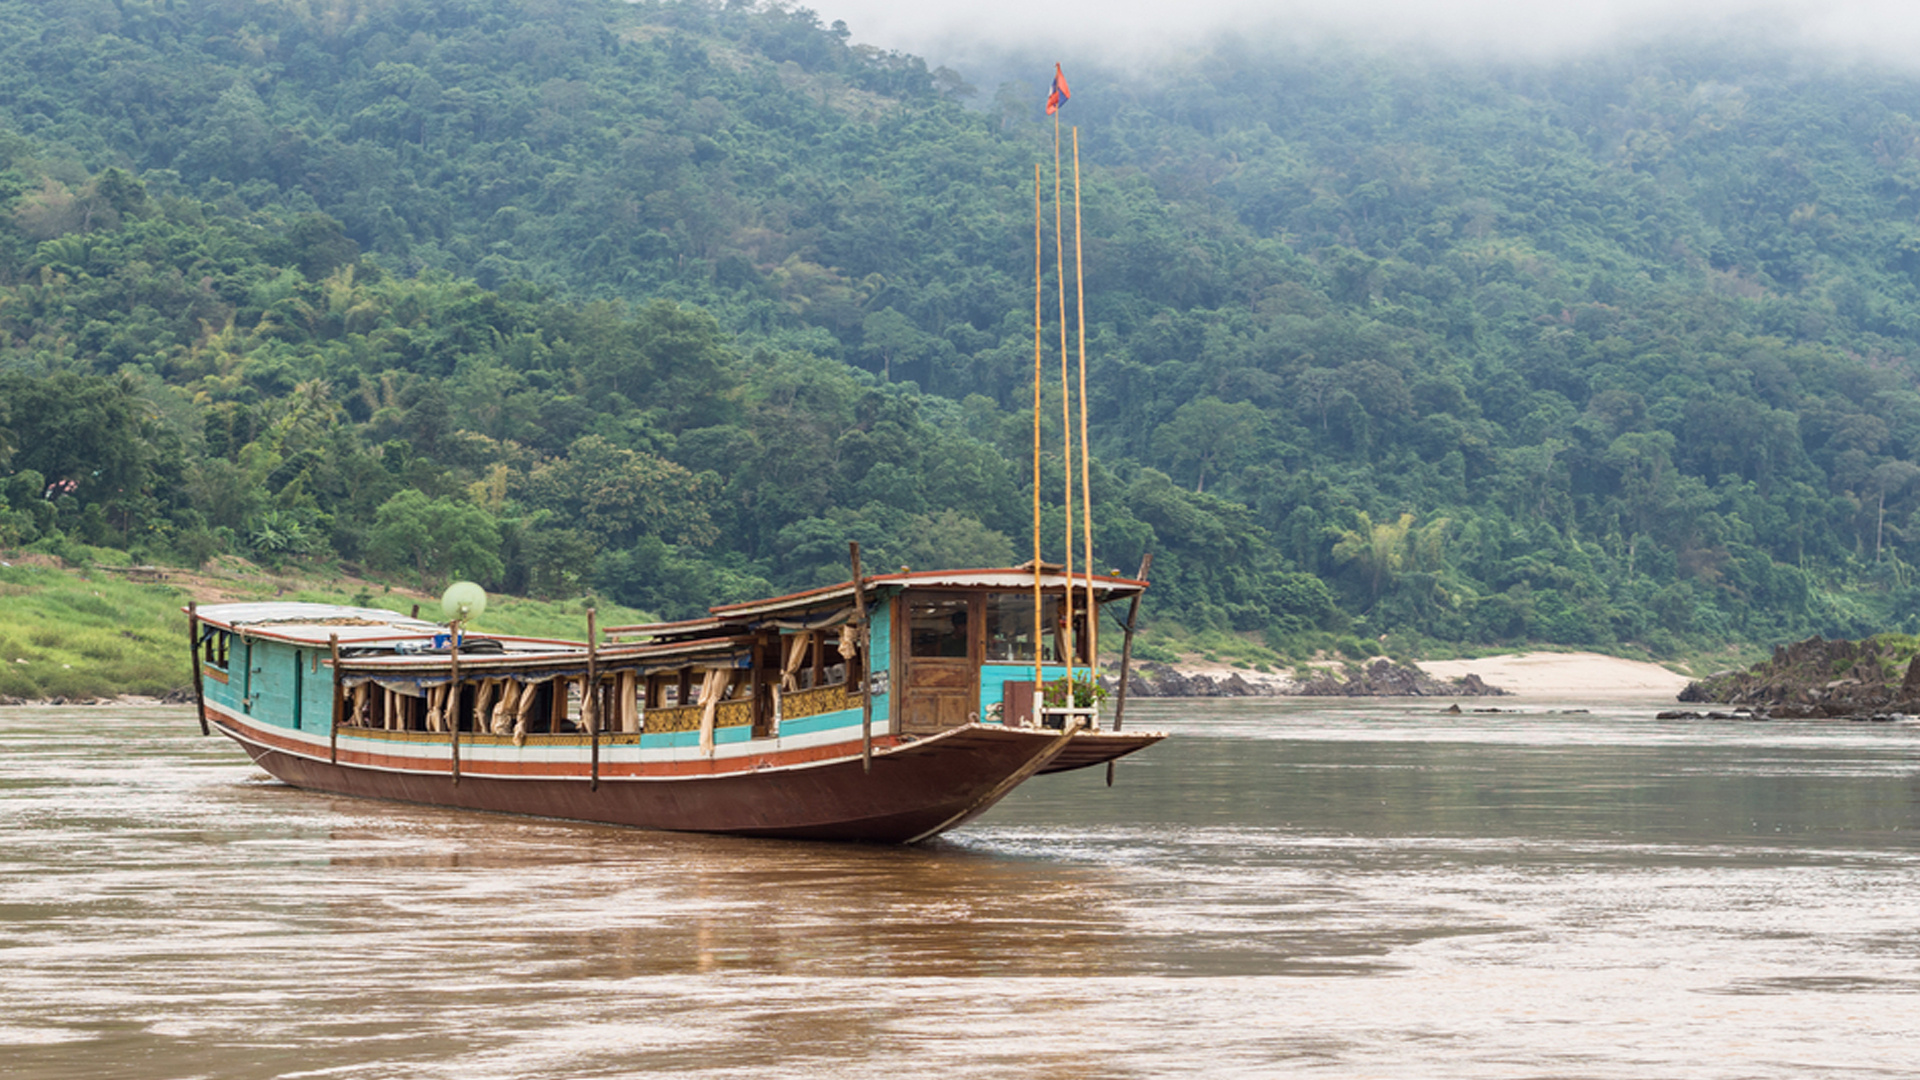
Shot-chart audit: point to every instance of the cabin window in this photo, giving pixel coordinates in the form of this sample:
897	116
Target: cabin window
1010	627
214	647
937	628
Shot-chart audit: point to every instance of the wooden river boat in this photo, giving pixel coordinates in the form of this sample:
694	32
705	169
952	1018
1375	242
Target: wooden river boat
891	709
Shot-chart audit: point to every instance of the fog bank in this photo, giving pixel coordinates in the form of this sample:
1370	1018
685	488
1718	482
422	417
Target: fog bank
952	32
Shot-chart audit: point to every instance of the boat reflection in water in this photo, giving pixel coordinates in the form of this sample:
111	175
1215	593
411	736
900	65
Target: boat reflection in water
686	904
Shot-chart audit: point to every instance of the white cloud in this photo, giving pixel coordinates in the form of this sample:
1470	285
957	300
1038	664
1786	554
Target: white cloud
949	31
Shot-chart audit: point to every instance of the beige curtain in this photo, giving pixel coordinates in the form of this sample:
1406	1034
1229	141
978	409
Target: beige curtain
483	704
436	708
796	656
504	709
711	688
628	692
523	712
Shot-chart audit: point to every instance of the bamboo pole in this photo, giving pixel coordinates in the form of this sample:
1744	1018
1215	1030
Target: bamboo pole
589	703
866	659
199	679
333	739
1066	397
1039	606
1086	474
1126	656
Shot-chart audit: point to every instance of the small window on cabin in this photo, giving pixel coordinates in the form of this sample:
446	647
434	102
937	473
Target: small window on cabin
214	647
1080	637
938	628
1010	627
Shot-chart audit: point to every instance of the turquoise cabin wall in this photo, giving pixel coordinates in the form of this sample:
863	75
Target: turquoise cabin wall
316	691
275	684
271	687
995	677
881	617
227	693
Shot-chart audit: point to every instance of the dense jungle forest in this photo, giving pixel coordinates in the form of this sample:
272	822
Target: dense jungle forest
666	301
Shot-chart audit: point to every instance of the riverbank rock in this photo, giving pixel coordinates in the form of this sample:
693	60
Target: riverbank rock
1817	678
1384	678
1381	678
1164	680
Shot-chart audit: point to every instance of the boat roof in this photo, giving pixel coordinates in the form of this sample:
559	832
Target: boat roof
358	628
837	600
300	620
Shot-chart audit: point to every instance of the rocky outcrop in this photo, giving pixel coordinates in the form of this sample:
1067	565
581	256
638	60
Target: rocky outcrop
1381	678
1384	678
1819	678
1163	680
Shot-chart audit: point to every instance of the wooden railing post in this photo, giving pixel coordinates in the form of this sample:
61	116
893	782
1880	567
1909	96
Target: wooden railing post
453	698
590	699
866	659
1126	655
199	685
333	738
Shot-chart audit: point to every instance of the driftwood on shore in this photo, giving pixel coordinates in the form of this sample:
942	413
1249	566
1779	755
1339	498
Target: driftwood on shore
1817	678
1381	678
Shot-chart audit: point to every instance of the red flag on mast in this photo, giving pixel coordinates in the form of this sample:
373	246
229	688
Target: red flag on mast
1059	94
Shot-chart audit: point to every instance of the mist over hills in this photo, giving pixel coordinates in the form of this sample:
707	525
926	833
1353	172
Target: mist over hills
667	301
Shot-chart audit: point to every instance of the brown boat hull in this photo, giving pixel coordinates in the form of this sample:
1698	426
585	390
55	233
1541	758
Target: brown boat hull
915	790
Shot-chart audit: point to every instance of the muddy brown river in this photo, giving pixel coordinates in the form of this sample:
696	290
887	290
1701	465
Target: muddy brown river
1346	889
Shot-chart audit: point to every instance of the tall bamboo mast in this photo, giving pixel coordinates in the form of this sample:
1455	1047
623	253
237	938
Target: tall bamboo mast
1086	481
1066	396
1039	618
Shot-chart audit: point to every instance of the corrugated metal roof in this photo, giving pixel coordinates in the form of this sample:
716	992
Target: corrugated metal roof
1012	579
1009	580
315	622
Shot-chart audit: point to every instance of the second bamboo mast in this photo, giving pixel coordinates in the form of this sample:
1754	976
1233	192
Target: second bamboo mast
1057	97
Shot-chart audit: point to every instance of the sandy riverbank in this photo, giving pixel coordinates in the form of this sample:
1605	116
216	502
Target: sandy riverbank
1541	674
1533	674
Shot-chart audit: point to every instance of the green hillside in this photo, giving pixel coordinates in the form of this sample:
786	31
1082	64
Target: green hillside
665	302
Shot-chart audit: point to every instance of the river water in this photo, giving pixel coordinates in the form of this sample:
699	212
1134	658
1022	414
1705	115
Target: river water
1351	889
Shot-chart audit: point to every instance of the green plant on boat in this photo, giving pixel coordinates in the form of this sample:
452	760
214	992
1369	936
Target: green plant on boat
1083	690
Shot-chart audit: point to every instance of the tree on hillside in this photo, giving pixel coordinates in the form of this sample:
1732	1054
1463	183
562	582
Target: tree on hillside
439	539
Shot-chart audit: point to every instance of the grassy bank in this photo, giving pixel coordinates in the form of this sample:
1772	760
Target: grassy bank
90	632
72	634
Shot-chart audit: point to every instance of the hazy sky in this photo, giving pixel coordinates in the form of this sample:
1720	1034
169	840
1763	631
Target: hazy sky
952	30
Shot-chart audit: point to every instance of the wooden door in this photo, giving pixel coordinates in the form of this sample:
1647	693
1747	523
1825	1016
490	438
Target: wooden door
940	641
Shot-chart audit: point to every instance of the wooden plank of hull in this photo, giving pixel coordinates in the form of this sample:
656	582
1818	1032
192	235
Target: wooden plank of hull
1100	747
914	787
